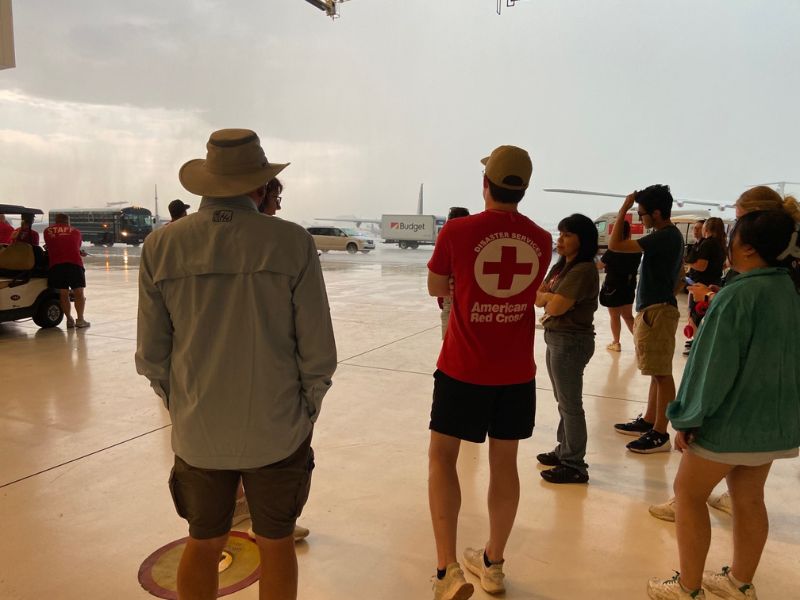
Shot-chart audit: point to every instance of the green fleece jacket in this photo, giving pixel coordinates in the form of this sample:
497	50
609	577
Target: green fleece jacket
741	388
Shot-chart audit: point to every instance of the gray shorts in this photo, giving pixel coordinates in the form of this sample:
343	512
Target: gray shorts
276	493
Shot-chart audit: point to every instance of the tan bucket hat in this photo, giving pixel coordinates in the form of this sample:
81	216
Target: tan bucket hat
234	165
509	167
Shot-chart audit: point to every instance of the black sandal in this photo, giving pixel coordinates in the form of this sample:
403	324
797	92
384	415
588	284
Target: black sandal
564	474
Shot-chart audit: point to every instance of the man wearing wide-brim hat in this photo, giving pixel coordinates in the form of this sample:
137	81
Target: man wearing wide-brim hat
235	336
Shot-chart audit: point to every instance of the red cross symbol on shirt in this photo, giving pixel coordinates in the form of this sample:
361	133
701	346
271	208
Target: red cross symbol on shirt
507	268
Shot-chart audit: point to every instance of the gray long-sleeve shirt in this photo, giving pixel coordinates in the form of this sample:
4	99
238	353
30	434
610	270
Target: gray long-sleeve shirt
234	333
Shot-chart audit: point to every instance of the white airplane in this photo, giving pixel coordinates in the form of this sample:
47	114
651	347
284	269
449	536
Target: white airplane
359	220
780	187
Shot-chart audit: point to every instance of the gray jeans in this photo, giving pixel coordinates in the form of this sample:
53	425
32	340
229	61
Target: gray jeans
568	353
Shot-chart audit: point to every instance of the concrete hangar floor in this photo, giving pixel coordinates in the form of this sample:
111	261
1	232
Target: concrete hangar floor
85	456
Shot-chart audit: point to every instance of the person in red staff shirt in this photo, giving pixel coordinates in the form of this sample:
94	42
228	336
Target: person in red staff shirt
6	229
494	262
25	233
66	272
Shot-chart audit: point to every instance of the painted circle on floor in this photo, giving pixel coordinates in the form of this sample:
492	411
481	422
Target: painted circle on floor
241	567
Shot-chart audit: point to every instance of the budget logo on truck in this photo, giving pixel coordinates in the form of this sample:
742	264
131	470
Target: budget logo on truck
415	227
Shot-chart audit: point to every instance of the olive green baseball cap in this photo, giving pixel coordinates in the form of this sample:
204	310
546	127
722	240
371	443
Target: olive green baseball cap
509	167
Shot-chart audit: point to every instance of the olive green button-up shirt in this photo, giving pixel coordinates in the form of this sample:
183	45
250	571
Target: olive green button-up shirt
234	333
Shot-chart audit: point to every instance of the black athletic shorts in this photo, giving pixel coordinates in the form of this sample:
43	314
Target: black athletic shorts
66	276
469	412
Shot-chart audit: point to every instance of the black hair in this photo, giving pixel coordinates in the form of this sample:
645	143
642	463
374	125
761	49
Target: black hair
769	233
586	230
456	212
656	197
28	218
504	195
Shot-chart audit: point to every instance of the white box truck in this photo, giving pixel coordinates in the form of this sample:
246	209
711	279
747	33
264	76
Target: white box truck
410	231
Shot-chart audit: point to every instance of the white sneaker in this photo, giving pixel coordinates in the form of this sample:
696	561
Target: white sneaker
720	584
722	502
241	512
671	589
453	586
79	323
491	577
665	511
70	323
300	533
614	347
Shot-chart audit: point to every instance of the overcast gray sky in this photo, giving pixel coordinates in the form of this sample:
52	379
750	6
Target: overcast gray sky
109	98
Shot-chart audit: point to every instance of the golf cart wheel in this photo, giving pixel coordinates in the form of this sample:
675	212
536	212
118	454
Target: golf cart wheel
352	248
49	313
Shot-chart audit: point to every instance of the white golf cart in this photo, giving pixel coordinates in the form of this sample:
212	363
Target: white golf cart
24	293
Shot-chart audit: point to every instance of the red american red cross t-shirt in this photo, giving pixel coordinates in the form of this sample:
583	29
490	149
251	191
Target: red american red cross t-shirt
497	260
63	245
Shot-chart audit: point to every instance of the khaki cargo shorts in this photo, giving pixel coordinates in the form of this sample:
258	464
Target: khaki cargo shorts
654	337
276	494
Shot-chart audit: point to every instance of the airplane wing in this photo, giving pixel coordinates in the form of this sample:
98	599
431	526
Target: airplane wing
679	201
353	220
584	192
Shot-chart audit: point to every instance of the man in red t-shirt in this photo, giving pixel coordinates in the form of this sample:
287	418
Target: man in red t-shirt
63	244
25	233
6	229
484	382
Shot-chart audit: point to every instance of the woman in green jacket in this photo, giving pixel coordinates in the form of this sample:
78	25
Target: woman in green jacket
738	407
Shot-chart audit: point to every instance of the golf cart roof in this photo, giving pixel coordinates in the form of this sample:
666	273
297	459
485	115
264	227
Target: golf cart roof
15	209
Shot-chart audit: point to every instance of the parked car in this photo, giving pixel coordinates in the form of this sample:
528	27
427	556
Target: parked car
341	238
